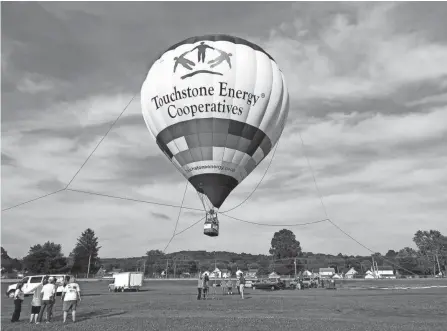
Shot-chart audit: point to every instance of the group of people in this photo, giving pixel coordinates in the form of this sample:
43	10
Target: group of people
226	285
44	298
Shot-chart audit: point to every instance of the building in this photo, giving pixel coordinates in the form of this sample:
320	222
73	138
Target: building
225	273
216	273
385	272
351	273
326	272
101	273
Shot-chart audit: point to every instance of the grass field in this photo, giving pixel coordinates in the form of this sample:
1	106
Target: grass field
172	305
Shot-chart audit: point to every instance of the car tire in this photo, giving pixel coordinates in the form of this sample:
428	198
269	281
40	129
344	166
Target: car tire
11	294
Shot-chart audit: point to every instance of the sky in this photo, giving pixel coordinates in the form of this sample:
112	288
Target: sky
368	89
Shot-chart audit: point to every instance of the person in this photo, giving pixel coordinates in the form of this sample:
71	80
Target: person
205	286
223	284
71	295
242	284
36	302
199	287
48	293
238	283
19	296
230	286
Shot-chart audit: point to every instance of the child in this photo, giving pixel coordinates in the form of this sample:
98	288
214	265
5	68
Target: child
19	296
230	287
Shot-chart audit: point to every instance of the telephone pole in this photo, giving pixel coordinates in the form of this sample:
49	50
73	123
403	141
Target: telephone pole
295	268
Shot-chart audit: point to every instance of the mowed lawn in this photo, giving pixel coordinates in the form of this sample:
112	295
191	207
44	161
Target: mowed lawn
172	305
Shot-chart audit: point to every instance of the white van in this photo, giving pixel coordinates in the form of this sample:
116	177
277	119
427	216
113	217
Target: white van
31	282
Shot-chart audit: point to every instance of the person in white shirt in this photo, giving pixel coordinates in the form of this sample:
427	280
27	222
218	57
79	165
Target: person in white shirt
19	296
36	302
241	284
48	293
70	296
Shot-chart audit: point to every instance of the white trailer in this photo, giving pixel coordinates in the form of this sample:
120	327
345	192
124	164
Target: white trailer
125	281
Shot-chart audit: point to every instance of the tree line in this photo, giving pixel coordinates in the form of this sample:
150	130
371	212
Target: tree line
285	257
47	258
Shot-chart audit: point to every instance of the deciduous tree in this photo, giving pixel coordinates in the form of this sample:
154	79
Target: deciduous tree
46	258
431	244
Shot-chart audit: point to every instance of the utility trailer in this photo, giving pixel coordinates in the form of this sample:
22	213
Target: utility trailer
126	281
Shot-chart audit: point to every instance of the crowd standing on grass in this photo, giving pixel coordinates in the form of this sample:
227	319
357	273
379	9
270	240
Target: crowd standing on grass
44	299
227	286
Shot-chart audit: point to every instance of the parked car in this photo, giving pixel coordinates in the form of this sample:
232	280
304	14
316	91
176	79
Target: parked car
31	282
248	283
269	285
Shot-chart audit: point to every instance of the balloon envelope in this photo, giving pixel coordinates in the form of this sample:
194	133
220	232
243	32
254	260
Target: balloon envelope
216	106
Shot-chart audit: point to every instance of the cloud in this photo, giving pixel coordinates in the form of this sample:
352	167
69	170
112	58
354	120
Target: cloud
356	54
28	85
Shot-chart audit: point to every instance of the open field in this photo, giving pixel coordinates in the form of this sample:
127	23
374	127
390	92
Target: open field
172	305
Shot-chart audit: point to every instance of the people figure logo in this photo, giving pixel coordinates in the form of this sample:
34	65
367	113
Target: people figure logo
183	61
201	50
224	56
201	55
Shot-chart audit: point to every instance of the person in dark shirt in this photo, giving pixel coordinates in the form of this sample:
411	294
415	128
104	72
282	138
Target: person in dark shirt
206	280
199	287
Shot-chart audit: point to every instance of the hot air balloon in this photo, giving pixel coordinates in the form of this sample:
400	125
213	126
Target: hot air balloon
216	105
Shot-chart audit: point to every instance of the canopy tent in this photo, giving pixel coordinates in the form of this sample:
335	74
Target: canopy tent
274	275
307	273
